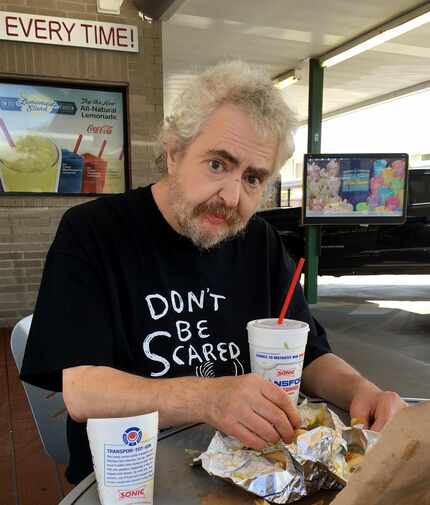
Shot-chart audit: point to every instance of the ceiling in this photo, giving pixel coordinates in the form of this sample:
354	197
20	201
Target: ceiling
283	34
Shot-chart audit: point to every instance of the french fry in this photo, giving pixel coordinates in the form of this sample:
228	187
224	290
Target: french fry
277	457
360	421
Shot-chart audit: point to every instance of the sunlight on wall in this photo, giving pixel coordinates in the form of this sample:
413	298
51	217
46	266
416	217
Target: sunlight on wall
398	125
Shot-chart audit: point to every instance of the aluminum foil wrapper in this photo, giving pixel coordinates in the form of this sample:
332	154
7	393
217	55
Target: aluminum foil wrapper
323	456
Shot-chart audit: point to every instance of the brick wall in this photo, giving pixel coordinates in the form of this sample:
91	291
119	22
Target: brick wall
28	223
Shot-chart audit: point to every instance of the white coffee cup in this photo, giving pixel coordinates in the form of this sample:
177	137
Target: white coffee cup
123	451
277	352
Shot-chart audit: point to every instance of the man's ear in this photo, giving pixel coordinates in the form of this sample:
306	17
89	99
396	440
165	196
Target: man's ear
172	155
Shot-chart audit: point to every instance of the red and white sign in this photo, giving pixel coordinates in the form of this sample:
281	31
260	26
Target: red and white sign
68	32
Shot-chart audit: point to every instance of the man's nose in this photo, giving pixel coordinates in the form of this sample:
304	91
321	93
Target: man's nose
230	192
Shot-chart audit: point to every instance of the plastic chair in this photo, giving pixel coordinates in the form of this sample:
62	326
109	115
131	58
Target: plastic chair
47	407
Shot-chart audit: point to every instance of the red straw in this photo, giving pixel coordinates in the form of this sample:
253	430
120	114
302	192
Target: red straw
102	148
78	143
291	289
6	133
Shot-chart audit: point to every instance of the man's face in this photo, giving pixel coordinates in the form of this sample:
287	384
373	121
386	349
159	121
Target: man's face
217	183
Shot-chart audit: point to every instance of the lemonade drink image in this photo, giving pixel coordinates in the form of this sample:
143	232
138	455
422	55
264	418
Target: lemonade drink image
31	166
114	175
94	174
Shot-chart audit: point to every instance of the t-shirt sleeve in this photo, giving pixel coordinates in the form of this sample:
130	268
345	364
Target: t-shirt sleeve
71	322
317	344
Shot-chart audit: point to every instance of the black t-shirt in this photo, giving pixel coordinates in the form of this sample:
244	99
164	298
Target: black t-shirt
122	289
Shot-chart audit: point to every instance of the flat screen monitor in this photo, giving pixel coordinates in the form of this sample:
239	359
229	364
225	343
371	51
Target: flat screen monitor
354	188
62	139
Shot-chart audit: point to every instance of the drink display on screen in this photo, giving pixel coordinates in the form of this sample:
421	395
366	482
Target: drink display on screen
62	140
94	174
358	187
114	175
72	166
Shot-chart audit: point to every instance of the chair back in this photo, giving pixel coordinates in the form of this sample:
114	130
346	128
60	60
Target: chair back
48	407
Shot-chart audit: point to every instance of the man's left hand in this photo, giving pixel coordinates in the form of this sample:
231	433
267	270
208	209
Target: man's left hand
374	406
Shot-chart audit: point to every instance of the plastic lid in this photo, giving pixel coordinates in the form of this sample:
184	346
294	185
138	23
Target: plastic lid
272	324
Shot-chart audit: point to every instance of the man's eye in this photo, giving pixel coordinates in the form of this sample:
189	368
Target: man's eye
216	165
253	180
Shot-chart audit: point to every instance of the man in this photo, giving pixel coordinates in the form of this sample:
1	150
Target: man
145	296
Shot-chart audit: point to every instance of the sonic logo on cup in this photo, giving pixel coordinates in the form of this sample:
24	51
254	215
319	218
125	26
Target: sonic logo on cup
285	373
132	493
132	436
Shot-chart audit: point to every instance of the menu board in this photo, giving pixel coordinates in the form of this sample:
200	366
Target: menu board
355	188
62	140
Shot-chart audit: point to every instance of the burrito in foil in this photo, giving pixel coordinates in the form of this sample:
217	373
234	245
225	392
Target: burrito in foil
323	455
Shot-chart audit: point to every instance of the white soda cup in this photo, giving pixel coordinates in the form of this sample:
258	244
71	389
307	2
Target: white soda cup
277	352
123	451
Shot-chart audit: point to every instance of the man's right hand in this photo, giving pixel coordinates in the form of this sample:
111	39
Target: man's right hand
251	409
247	407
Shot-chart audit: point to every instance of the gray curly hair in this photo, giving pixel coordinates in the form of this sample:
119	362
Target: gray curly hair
236	83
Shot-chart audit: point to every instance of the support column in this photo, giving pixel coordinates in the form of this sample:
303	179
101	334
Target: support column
312	232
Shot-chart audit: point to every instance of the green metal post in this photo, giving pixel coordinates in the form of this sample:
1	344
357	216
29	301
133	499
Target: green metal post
312	233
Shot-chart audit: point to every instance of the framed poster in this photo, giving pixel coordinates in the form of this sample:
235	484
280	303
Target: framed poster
354	188
62	139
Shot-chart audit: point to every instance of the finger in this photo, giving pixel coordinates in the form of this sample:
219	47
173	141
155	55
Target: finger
384	412
277	418
379	423
386	408
262	428
247	437
282	400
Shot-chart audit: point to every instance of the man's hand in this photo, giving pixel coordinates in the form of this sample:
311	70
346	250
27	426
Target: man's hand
331	378
247	407
251	409
374	406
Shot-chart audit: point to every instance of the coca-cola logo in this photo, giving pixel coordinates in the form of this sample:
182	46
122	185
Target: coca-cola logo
100	130
131	493
285	373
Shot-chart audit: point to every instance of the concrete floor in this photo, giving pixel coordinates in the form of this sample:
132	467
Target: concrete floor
381	325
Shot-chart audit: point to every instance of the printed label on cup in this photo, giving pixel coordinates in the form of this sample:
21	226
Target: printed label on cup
273	368
123	451
277	352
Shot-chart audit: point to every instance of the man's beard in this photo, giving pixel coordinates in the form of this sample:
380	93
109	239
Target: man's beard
189	218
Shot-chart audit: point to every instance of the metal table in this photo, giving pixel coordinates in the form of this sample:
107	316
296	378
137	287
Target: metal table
177	483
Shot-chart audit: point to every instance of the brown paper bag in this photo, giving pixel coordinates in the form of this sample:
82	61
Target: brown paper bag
397	470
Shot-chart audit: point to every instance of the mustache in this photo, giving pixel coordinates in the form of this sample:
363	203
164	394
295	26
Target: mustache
230	215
